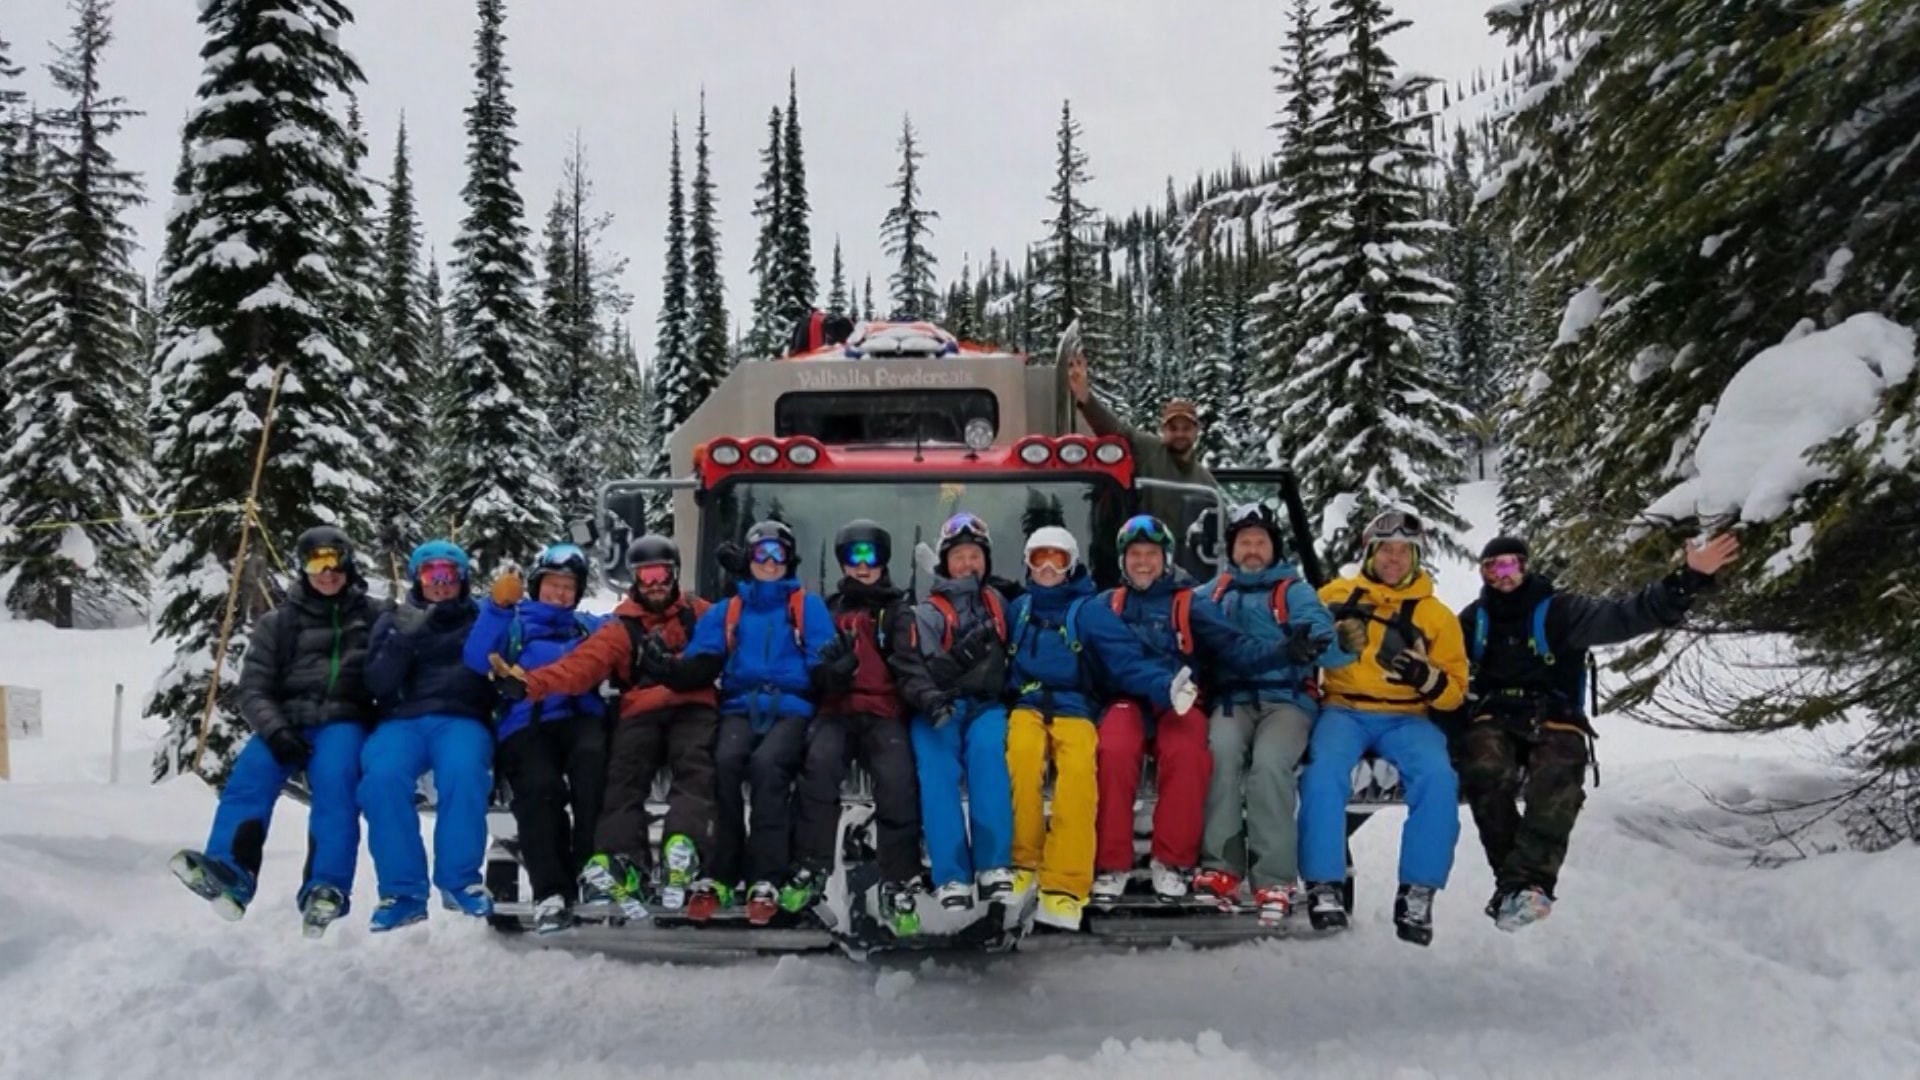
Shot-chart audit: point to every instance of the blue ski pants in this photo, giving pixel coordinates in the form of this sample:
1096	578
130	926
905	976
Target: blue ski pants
458	750
973	753
245	811
1418	749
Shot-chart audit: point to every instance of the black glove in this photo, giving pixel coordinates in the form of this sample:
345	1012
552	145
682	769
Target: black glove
838	658
511	686
289	747
409	619
732	558
979	644
1302	647
653	661
1412	668
941	713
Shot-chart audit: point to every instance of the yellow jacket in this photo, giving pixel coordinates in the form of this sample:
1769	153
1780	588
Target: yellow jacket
1364	685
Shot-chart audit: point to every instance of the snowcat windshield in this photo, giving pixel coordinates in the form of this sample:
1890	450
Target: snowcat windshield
913	508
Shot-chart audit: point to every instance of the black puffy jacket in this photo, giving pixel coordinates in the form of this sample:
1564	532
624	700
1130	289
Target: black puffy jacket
306	661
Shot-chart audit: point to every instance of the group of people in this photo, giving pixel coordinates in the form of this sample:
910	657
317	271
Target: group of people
959	703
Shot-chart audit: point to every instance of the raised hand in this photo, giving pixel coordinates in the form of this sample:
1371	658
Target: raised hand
1710	556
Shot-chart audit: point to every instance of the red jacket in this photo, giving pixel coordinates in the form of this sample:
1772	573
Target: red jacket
866	612
608	654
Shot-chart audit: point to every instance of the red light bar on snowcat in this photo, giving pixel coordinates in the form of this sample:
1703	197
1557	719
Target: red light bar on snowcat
717	459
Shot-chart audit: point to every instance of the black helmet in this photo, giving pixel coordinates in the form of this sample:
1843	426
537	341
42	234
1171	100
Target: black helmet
324	538
653	548
965	528
778	533
560	559
860	530
1254	516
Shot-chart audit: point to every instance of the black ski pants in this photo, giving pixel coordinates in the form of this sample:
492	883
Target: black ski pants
768	764
883	746
1525	850
550	764
680	738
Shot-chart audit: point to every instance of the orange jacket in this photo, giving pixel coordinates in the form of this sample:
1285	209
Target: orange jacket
608	654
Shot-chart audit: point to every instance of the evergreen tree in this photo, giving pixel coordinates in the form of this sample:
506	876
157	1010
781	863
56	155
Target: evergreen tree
356	274
1068	285
904	232
77	449
404	364
1370	420
799	289
252	293
867	312
706	289
501	496
769	329
19	151
672	376
837	298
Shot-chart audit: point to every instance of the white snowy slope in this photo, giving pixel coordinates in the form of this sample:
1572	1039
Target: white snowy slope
1670	956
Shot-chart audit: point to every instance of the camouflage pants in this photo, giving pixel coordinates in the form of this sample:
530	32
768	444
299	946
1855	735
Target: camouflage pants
1524	850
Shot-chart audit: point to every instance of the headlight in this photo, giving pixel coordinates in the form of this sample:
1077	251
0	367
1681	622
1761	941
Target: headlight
726	454
1035	453
1073	453
979	434
803	453
1109	453
764	454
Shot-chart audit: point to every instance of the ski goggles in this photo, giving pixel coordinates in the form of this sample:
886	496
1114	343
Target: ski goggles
1502	567
1144	528
440	572
321	560
860	553
562	557
1247	514
770	551
1395	525
1045	558
965	526
653	574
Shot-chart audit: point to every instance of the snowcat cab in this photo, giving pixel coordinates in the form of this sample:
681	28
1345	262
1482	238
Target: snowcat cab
907	426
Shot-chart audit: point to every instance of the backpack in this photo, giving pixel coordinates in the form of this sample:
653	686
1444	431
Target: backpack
951	617
1277	603
1068	629
1182	616
637	634
1536	641
796	617
1401	620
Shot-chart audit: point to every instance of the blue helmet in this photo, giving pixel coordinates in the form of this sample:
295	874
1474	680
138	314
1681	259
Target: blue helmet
440	549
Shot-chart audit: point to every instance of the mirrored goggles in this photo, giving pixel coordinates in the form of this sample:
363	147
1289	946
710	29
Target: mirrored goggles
1147	528
860	553
1503	566
562	557
440	572
1396	525
1248	514
653	574
770	551
964	524
1043	558
321	560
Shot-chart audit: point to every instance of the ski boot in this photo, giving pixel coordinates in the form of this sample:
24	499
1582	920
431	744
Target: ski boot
1275	903
395	912
1169	883
1110	887
318	909
799	894
1521	908
1059	910
473	900
955	895
899	908
228	888
1413	914
994	886
683	869
550	916
1324	908
1026	884
763	903
615	878
706	898
1222	887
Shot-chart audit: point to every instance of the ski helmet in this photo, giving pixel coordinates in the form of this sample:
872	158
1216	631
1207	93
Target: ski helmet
653	548
1254	516
1145	529
965	528
860	531
560	559
1505	545
776	532
440	551
322	539
1403	526
1054	538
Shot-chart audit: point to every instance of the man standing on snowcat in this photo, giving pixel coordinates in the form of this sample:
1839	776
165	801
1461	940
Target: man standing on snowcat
1527	707
1173	456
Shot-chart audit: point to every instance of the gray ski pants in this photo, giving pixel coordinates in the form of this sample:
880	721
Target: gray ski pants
1253	808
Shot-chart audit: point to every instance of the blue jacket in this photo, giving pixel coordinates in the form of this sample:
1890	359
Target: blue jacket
767	674
545	634
1148	615
1247	603
419	672
1045	672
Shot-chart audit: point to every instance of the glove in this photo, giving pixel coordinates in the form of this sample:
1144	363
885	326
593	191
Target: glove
1302	647
508	589
838	658
941	714
509	680
1352	635
974	649
654	663
410	620
289	747
1182	691
1412	668
732	558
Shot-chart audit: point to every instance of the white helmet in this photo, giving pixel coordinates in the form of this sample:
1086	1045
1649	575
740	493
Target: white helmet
1057	539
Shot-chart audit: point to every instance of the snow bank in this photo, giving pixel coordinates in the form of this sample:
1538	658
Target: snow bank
1792	398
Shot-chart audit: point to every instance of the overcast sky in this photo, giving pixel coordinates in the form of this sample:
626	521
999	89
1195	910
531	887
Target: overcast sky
1160	87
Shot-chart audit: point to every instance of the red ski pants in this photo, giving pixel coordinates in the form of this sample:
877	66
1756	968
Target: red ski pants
1185	768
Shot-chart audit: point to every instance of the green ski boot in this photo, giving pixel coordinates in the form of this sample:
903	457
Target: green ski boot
616	878
800	893
683	869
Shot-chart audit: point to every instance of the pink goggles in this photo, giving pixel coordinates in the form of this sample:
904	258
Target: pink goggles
1503	566
440	572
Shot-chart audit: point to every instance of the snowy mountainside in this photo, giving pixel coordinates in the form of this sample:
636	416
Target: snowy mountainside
1669	956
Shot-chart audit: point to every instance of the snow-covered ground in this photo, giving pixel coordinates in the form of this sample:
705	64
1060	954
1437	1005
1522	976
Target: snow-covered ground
1670	956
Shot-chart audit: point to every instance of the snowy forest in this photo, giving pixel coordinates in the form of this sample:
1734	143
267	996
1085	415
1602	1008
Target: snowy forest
1660	270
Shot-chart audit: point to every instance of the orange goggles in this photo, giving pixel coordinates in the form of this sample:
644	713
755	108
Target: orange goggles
321	560
1044	558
